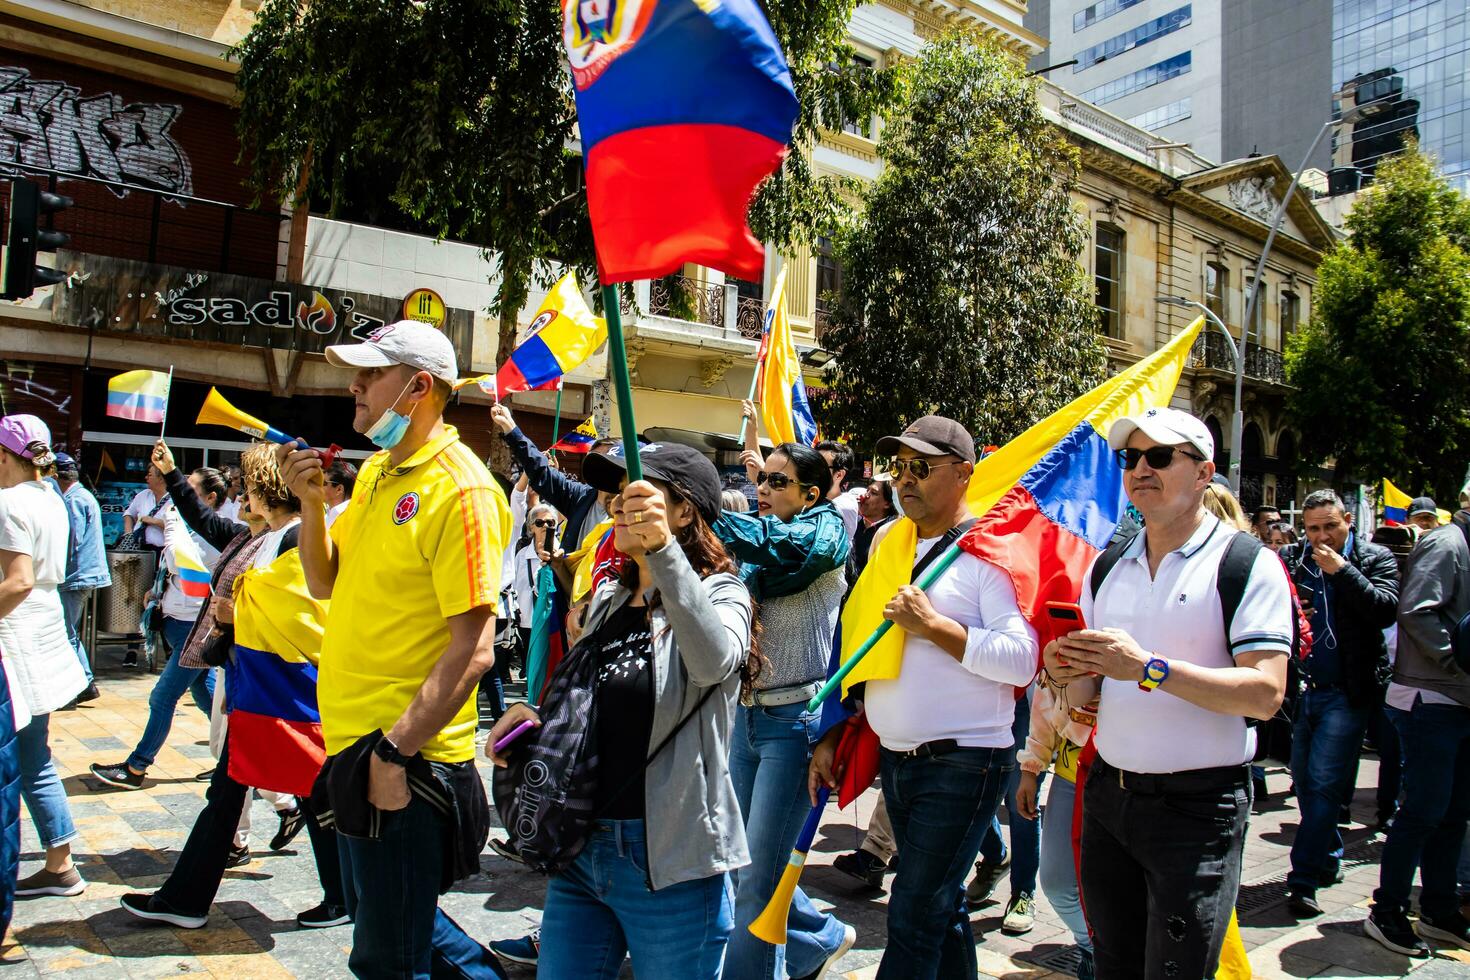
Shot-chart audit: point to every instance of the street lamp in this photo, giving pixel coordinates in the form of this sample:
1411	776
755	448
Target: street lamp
1237	421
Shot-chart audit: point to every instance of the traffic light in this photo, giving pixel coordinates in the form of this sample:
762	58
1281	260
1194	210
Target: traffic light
29	206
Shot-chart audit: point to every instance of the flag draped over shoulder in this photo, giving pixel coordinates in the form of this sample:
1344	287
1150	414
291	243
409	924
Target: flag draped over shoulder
782	392
564	334
1395	505
275	729
683	106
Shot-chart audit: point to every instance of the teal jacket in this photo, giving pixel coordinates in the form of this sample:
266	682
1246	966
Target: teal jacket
779	558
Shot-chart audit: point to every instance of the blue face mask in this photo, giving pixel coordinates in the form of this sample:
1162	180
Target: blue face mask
390	427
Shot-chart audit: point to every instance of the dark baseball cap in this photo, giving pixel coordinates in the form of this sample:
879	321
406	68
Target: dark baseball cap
932	435
684	468
64	463
1423	505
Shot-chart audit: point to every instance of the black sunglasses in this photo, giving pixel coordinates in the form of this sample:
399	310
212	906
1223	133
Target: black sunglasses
920	468
543	522
778	481
1159	457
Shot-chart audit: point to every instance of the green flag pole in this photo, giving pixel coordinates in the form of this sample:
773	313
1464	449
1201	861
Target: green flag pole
556	422
613	312
930	576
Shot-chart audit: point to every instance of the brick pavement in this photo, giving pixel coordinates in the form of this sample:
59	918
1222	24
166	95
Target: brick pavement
130	839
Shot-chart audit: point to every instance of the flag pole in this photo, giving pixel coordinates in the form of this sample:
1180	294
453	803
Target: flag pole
167	392
619	357
754	383
556	422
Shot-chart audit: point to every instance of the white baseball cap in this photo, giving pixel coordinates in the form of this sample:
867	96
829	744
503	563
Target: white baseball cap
418	345
1167	426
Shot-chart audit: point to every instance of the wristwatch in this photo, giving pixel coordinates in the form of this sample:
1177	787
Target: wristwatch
1155	672
388	752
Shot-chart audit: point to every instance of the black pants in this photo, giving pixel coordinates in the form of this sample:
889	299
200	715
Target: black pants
1160	874
196	877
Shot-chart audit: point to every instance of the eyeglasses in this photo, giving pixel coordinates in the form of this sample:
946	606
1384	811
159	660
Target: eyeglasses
920	468
778	481
1159	457
543	523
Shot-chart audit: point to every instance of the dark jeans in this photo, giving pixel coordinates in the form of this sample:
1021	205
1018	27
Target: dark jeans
1390	759
940	807
1159	875
1429	831
1326	739
192	885
392	888
1025	834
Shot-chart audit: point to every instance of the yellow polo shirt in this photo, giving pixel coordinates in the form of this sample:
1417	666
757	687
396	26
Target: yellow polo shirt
419	543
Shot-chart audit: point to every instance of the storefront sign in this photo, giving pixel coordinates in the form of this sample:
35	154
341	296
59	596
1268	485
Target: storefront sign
426	306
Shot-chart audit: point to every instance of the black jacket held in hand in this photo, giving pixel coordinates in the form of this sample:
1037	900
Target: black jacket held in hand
1367	595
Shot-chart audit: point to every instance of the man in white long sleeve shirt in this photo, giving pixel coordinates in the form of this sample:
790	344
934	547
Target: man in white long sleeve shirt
944	722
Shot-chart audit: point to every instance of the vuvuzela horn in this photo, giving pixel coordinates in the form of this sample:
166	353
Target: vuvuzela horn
218	411
770	925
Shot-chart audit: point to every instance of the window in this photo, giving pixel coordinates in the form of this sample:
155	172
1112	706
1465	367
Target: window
1165	115
1101	10
1108	252
745	289
1142	34
1138	81
1217	284
858	125
829	280
1258	314
1291	312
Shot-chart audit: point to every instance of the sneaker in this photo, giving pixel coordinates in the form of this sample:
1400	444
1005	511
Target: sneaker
118	776
324	916
1336	877
503	848
1344	816
154	909
1086	967
1392	930
43	882
526	950
863	867
130	659
239	857
1020	914
207	776
292	821
90	693
986	876
1452	931
849	936
1303	903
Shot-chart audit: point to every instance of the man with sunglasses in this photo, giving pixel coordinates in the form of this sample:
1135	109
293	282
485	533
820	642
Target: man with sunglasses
1166	801
944	723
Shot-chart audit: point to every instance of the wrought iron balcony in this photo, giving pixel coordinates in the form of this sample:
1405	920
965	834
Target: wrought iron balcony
1262	363
683	298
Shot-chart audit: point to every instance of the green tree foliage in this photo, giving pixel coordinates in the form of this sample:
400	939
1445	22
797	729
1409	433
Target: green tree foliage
1382	370
963	292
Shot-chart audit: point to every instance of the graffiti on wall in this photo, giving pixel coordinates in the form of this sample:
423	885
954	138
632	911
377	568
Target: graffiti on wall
51	124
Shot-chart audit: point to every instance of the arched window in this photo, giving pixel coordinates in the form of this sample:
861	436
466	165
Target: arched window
1252	445
1222	456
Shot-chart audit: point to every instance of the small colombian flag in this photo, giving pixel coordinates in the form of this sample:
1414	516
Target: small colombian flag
138	395
579	440
1395	505
193	576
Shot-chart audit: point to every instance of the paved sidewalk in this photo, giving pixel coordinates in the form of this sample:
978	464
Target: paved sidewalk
131	839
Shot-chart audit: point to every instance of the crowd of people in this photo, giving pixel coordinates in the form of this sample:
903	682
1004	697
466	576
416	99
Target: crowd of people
661	769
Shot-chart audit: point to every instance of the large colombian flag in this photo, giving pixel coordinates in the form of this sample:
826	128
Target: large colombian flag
1395	505
138	395
684	106
563	335
275	729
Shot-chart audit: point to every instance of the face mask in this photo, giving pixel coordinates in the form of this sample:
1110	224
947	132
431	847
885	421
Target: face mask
388	430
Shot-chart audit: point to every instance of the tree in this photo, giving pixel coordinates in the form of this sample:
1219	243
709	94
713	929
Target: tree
963	293
1382	369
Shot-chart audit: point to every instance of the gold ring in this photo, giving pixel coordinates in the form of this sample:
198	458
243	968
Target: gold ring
636	517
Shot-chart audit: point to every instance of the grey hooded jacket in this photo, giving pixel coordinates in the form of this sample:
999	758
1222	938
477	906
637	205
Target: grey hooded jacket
701	635
1434	596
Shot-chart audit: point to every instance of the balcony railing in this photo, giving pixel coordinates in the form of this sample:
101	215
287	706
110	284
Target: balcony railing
1262	363
750	318
683	298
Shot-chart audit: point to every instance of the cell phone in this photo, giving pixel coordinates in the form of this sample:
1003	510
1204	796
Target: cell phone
1066	617
546	540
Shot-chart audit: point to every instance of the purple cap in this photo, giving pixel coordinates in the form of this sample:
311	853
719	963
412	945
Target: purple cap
19	431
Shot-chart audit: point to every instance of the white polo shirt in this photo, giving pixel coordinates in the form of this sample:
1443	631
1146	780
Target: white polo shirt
1176	615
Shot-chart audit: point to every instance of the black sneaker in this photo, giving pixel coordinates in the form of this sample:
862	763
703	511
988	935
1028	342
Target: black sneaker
986	875
118	776
1451	931
1303	903
239	857
292	821
207	776
863	867
154	909
503	848
323	917
130	659
90	693
1392	930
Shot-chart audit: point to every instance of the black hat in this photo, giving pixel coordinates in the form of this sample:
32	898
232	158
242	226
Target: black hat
686	469
1422	505
65	464
932	435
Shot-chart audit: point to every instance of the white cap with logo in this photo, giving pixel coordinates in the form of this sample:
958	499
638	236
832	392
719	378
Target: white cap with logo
1166	426
409	342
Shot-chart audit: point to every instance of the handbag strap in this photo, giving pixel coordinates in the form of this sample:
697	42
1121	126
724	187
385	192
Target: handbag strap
940	546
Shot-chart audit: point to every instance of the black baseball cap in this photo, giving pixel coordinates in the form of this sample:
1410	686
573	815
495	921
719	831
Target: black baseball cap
684	468
65	463
1423	505
932	435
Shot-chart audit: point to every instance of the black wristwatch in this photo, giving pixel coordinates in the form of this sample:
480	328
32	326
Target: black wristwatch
388	752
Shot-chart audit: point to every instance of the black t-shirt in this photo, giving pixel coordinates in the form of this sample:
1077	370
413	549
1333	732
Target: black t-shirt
624	711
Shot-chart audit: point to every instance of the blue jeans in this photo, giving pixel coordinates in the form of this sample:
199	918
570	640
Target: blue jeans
601	909
769	752
392	889
167	690
1025	834
940	807
1325	740
41	786
73	601
1058	859
1429	831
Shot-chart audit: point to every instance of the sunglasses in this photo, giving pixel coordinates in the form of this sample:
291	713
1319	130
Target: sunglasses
778	481
543	523
920	468
1159	457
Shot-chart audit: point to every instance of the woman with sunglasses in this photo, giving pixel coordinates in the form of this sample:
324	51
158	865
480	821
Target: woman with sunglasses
793	555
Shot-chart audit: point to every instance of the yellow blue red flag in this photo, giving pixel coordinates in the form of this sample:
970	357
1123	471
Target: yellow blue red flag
579	440
563	335
782	391
1395	505
138	395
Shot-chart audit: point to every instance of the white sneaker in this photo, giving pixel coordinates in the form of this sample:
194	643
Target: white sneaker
849	936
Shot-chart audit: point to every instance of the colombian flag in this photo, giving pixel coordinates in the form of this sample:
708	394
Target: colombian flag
1395	505
275	728
684	106
782	393
138	395
193	576
563	335
579	440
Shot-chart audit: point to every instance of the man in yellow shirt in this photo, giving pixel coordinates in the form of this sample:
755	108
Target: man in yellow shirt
412	568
